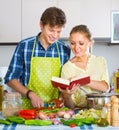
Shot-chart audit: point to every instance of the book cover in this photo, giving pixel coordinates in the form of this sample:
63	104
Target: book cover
64	83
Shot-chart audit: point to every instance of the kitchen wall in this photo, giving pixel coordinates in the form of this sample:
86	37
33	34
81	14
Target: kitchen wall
110	52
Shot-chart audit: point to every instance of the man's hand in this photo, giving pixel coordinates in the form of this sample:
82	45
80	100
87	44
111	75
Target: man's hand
36	100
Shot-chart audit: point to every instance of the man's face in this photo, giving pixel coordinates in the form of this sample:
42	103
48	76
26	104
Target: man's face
51	34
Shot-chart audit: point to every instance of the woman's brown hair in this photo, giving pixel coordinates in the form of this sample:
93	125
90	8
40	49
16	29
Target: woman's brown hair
82	29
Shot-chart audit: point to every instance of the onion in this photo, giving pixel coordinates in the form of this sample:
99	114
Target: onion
70	111
42	115
67	115
61	113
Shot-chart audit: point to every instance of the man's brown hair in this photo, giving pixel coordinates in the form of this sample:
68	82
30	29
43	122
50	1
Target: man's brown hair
53	16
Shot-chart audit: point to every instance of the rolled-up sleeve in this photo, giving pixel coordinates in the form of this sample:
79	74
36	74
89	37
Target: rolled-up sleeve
15	68
105	74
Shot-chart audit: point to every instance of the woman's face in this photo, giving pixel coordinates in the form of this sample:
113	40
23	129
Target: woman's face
51	34
79	44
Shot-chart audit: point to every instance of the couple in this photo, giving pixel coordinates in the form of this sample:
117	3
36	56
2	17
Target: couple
37	59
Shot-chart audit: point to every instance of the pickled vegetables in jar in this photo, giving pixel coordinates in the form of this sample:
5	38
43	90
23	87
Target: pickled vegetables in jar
11	104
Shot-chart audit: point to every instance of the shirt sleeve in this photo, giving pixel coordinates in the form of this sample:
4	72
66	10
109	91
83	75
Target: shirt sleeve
66	71
15	68
105	74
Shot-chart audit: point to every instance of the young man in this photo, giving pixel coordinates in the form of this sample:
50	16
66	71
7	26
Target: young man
37	59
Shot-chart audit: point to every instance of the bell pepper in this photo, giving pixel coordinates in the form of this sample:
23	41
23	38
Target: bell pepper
27	114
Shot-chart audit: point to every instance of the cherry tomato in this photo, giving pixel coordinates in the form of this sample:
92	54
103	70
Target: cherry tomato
51	116
72	125
57	102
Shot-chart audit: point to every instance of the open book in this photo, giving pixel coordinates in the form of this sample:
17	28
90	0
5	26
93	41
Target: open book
64	83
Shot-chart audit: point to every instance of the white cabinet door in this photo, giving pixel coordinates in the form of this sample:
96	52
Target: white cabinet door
10	20
31	13
94	13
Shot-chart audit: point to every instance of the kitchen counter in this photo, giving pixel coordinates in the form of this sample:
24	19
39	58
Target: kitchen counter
14	126
55	127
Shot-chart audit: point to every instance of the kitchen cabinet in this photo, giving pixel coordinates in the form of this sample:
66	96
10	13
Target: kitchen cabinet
20	18
31	13
96	14
10	20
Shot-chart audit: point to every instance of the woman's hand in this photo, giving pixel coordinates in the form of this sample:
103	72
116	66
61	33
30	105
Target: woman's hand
62	101
68	91
66	95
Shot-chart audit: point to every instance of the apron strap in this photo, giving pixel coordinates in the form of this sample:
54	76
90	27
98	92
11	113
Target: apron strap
58	49
33	47
35	44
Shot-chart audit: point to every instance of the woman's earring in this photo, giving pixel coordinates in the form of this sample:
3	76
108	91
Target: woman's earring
89	49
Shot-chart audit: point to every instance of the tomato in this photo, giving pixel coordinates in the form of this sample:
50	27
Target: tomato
52	116
55	103
72	125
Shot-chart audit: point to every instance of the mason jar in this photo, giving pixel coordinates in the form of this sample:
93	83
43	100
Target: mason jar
11	104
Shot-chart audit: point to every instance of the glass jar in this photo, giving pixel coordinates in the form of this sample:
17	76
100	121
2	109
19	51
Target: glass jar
11	104
116	81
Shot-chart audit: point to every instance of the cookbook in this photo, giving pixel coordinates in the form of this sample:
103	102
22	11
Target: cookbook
64	83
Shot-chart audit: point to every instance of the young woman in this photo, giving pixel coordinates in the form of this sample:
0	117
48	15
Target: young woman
84	63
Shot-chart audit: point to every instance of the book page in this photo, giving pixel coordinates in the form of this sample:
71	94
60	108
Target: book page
60	80
80	77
